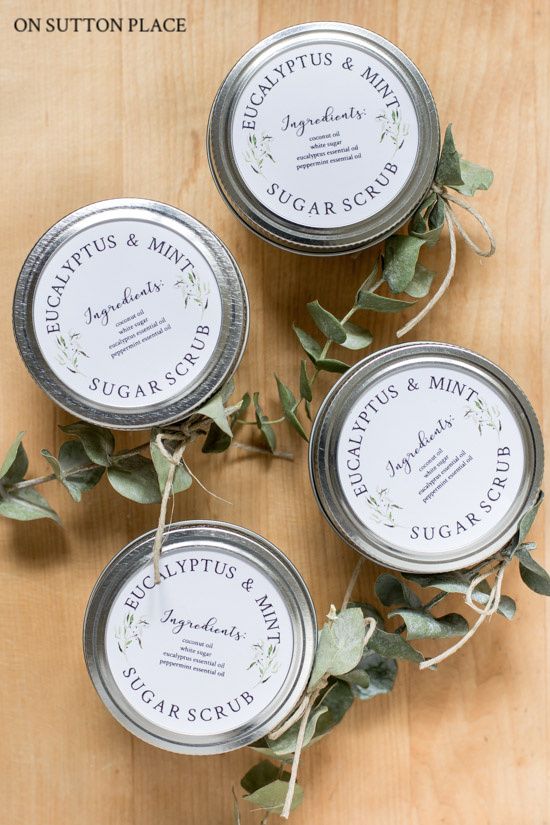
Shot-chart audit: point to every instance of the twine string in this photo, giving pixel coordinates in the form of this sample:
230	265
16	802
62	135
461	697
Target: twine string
489	608
453	224
302	713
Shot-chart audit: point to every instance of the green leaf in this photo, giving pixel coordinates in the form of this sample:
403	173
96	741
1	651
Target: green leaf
265	428
310	346
458	583
215	410
448	169
391	590
261	774
428	220
337	700
379	303
305	384
421	283
368	284
272	797
422	625
182	477
381	674
217	441
533	575
356	337
26	505
16	463
526	521
289	404
400	259
98	442
327	323
332	365
135	477
393	646
474	177
72	455
340	645
286	744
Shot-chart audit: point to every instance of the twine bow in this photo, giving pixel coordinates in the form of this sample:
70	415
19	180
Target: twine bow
491	606
453	224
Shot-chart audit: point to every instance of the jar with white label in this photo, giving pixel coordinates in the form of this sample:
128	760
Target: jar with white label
213	657
424	457
130	313
324	138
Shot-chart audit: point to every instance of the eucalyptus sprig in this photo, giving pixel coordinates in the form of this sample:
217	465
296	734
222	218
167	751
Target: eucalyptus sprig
89	454
354	663
398	269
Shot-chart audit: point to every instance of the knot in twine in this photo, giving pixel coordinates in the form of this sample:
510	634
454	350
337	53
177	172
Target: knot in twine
491	606
302	713
180	438
453	224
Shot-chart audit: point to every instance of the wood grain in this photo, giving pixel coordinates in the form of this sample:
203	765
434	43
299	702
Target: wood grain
92	116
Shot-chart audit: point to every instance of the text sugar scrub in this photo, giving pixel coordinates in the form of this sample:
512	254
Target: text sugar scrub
214	656
424	457
323	138
130	313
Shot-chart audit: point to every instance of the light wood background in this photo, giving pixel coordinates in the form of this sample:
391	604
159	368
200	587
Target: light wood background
92	116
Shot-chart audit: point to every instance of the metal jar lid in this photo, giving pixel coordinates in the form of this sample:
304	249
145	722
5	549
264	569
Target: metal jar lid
323	138
217	654
424	456
130	313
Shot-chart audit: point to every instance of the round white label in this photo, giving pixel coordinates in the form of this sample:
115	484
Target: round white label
206	650
127	313
431	459
325	136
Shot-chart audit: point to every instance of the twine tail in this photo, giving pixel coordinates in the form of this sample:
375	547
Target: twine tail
491	607
453	223
297	753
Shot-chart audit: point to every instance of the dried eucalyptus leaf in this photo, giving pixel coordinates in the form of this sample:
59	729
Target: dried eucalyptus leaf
526	521
135	477
215	411
400	259
26	505
182	478
72	456
98	442
337	699
368	284
421	283
392	591
369	611
428	220
332	365
381	674
422	625
532	573
474	177
286	744
458	583
305	384
379	303
340	645
289	404
356	677
260	775
326	322
310	346
448	169
356	337
265	428
393	646
272	797
16	463
216	440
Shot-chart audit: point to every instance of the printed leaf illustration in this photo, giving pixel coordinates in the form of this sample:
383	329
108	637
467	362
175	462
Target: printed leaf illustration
193	289
258	151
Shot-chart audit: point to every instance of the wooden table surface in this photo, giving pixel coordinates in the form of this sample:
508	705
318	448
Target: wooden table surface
93	116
